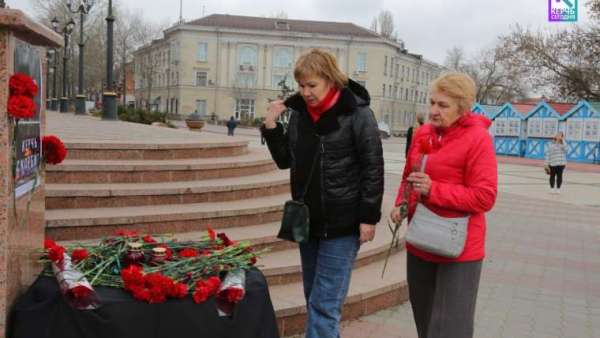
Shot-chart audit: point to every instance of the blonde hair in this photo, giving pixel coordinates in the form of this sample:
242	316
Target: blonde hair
458	86
322	64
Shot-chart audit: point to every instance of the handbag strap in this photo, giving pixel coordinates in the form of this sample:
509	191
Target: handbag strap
423	162
312	169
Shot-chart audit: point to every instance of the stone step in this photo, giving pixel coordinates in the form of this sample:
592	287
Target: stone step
153	151
151	171
367	294
87	223
106	195
283	267
261	236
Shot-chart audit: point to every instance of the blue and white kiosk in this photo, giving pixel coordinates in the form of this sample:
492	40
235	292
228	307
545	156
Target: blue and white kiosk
582	132
509	129
542	125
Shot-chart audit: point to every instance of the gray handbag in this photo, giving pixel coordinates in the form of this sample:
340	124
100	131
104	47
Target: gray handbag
443	236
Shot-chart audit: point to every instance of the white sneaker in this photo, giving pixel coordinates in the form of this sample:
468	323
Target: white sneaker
557	191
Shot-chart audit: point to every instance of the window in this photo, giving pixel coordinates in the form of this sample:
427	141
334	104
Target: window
406	95
248	57
283	57
402	78
397	70
383	90
202	52
385	65
244	109
361	62
390	88
362	83
201	79
201	107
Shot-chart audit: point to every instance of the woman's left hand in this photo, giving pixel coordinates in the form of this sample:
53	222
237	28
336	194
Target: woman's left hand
420	182
367	232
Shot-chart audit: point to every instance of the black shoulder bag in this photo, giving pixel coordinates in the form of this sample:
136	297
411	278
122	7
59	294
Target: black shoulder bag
295	224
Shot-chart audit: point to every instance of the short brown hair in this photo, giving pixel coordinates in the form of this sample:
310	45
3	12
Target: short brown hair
322	64
459	86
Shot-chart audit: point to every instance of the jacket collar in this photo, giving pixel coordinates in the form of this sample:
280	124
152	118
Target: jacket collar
328	122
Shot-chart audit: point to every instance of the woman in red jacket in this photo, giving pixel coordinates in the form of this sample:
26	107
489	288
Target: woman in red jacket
460	178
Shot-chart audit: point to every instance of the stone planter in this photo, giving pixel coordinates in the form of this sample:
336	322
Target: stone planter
195	124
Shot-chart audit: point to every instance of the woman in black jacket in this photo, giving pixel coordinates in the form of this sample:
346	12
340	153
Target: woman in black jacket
332	126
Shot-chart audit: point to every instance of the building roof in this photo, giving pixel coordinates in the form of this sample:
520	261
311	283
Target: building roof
490	109
523	108
561	108
273	24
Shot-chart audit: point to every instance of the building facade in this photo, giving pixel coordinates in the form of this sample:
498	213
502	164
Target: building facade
224	65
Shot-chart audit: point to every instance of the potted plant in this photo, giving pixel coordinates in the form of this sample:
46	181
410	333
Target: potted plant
194	121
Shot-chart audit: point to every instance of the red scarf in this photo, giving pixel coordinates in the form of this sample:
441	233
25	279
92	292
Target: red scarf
329	101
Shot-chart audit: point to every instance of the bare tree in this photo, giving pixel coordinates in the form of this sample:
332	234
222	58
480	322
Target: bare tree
278	15
374	25
567	61
455	59
384	25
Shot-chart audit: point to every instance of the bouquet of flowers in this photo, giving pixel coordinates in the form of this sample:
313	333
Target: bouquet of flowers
151	268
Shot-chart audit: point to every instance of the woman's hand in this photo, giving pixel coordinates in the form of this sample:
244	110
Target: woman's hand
396	215
367	232
421	182
275	109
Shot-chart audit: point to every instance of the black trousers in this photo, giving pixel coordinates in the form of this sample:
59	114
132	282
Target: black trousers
556	174
443	297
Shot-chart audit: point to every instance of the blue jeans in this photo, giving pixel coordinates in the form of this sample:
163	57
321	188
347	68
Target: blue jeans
326	269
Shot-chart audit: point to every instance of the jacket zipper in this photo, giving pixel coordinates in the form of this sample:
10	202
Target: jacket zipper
322	184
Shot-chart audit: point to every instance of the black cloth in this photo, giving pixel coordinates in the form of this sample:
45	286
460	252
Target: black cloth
556	174
443	297
231	124
42	313
409	135
347	188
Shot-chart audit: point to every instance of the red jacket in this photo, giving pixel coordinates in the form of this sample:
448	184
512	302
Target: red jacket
464	173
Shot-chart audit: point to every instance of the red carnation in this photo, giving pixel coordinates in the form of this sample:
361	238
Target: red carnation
232	295
140	293
126	233
211	285
56	253
22	84
425	147
78	255
21	107
48	243
148	239
80	292
157	295
225	239
53	149
133	277
188	252
178	290
200	295
211	234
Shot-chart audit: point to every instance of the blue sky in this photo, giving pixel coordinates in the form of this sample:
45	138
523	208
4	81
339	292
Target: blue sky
428	27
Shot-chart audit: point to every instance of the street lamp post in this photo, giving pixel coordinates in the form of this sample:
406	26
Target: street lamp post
109	97
54	103
83	9
50	56
65	31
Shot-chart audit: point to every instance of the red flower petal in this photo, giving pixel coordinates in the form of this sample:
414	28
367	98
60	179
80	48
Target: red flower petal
21	107
78	255
53	149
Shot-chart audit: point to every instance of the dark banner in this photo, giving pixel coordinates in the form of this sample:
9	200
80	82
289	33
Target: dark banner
27	137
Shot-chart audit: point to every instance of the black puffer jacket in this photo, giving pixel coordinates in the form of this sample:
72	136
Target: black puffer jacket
347	186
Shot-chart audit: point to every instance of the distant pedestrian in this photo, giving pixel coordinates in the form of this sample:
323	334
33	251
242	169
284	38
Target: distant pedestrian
556	161
231	125
412	130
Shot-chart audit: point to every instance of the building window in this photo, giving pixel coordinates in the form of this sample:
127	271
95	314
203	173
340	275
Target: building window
201	107
283	57
244	109
402	79
248	57
362	83
397	70
201	79
283	60
383	90
406	95
361	62
385	65
202	52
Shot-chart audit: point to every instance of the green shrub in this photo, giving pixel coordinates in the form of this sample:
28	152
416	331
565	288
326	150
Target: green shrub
139	115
